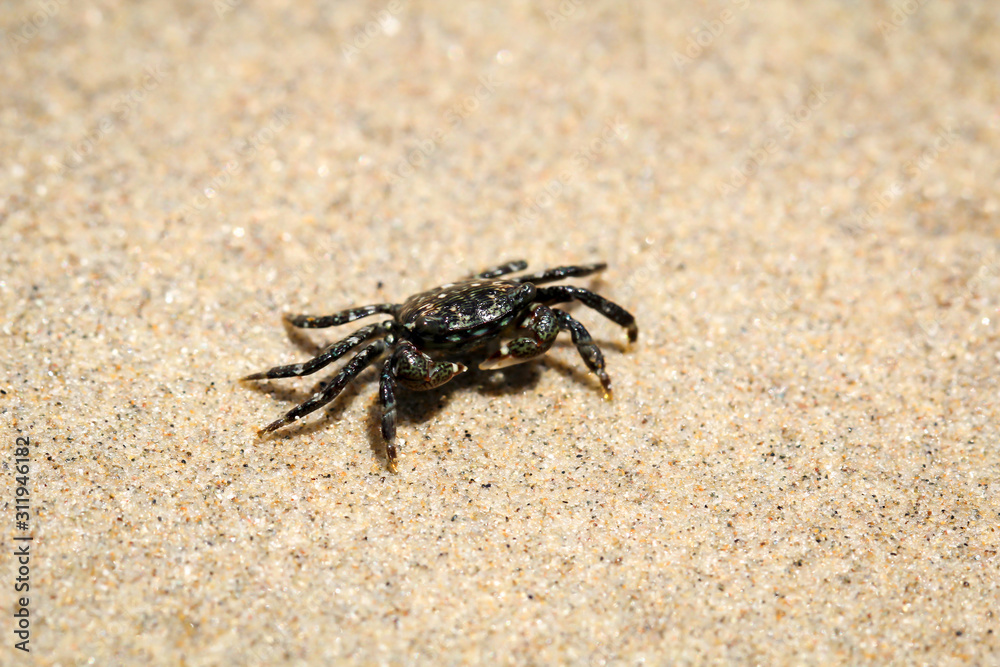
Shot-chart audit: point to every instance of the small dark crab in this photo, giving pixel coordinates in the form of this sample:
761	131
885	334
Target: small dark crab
511	317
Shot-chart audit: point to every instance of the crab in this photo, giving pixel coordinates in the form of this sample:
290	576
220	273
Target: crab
510	318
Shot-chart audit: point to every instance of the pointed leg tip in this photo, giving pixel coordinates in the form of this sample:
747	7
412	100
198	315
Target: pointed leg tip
297	321
270	428
251	377
606	386
633	333
391	459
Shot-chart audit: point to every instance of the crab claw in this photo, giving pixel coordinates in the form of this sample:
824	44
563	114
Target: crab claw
540	328
502	358
418	371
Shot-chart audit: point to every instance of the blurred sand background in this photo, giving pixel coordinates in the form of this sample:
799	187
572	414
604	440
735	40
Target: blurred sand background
797	200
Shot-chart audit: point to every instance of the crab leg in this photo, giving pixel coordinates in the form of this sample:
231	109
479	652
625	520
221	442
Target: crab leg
591	354
502	270
387	397
343	317
415	370
327	356
610	310
358	363
550	275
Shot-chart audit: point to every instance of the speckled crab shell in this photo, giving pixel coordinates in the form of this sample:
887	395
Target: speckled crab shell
464	315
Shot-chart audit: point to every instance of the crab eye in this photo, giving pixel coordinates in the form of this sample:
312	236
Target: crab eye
527	292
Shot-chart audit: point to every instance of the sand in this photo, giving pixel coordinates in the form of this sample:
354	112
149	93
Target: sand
798	201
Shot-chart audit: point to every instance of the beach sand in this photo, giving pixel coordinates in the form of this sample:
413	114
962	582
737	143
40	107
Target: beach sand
797	201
